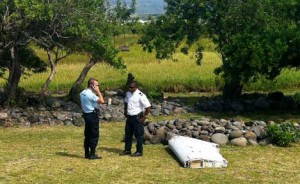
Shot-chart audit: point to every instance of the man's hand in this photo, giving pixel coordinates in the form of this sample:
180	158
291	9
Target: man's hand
143	119
96	89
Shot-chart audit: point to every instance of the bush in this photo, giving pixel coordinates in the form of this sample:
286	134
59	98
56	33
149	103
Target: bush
155	95
296	97
283	134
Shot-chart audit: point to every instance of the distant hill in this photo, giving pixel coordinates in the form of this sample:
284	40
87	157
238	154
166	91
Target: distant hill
146	6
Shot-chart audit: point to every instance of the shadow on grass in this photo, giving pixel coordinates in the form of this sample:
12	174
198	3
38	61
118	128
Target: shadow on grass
113	150
65	154
277	115
168	150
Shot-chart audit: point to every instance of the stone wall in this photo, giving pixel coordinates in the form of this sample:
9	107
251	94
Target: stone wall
56	111
220	131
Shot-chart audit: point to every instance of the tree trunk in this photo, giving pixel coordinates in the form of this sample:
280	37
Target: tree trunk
15	73
51	76
232	90
76	86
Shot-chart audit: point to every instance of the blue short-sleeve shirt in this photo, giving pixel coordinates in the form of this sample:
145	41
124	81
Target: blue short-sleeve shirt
88	101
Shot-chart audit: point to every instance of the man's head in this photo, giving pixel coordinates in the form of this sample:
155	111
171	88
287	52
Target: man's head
132	86
92	82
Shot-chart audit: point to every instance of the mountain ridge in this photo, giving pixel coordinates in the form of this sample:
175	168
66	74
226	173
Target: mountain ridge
145	6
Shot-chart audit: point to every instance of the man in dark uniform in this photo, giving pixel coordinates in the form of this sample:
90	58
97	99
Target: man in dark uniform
90	99
136	110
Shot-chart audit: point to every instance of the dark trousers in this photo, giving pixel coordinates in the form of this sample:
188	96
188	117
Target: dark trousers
136	128
91	131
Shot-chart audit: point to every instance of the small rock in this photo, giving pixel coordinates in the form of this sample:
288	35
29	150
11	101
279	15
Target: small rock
250	135
239	141
3	115
252	142
33	118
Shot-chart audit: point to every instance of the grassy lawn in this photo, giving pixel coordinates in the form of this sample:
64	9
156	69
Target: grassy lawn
55	155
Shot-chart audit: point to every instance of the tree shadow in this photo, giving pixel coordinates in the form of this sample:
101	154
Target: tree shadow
65	154
270	114
112	150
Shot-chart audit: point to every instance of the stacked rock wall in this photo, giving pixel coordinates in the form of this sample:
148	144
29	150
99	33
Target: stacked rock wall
56	111
219	131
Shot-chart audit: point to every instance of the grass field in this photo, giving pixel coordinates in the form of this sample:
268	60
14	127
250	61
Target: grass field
165	75
55	155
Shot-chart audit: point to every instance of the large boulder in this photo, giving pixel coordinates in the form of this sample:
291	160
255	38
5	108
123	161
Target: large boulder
235	134
219	138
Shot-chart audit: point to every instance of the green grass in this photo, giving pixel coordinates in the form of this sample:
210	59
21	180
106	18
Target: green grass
288	81
152	74
158	75
55	155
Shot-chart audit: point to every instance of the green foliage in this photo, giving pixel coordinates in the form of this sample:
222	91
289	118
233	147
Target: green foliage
254	38
283	134
155	94
257	46
60	28
31	61
167	76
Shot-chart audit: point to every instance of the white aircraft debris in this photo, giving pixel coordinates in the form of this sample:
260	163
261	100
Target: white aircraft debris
195	153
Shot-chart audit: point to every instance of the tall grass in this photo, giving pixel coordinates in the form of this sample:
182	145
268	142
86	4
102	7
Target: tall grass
159	75
288	81
182	75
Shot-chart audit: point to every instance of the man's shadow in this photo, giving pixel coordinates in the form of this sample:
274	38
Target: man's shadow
112	150
65	154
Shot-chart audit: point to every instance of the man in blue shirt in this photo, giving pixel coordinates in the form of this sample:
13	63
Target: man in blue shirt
90	99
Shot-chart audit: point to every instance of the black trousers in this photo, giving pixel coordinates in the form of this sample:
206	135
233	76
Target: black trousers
91	130
136	128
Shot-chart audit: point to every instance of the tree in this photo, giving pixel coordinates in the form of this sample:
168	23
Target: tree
49	24
254	38
60	28
97	41
67	27
15	54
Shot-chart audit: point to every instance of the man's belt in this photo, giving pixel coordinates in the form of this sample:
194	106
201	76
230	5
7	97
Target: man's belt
136	116
95	112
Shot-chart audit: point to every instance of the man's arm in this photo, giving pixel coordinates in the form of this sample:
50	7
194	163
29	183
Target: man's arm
100	99
147	111
98	93
144	117
125	109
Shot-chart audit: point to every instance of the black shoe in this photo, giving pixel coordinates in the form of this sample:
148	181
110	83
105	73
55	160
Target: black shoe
123	153
93	157
86	156
137	154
